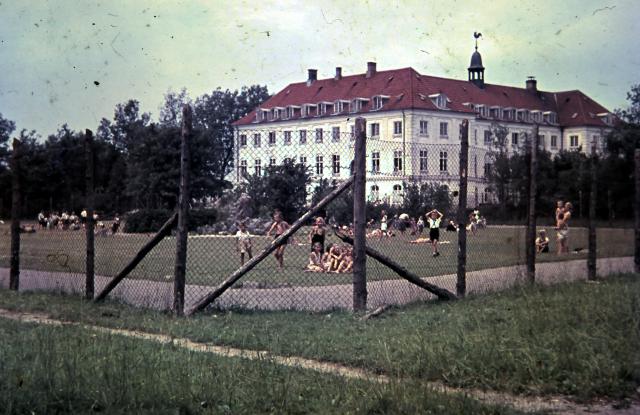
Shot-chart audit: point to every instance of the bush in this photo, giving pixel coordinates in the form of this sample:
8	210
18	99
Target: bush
145	220
151	220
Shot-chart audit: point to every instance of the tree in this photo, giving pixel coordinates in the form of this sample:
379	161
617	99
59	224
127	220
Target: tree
281	187
7	127
171	111
499	173
420	198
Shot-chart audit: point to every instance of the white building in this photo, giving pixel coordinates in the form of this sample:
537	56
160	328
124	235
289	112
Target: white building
413	124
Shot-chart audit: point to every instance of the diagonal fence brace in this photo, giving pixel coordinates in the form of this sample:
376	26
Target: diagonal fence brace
441	293
204	301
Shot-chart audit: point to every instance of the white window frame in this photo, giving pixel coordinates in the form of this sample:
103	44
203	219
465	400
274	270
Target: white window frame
375	162
397	161
302	137
571	141
374	129
319	165
287	137
424	128
272	139
243	140
335	165
319	135
444	124
443	164
423	160
397	128
257	140
335	134
257	167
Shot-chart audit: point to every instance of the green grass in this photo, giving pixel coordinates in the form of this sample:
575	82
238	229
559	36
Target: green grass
580	339
210	260
73	370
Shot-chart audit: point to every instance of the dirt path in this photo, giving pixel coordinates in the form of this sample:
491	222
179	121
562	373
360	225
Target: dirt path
550	404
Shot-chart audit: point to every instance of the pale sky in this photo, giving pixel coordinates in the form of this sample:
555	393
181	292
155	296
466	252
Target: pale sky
52	52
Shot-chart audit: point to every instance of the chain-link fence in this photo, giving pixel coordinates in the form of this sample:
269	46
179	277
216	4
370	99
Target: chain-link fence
412	194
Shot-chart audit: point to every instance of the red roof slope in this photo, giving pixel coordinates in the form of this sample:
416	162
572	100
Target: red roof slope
407	89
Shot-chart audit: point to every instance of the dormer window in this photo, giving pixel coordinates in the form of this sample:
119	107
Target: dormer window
481	110
262	115
509	113
322	108
278	112
339	106
606	117
549	117
307	110
536	115
522	115
357	103
495	112
440	100
291	111
378	102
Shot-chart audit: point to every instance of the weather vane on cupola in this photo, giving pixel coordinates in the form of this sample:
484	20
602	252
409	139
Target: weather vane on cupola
477	35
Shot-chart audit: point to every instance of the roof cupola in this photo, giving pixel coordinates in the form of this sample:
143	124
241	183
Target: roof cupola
476	70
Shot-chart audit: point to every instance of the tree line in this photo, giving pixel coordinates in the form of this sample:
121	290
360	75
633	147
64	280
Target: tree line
137	160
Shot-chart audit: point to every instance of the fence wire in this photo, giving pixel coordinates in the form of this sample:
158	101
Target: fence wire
411	190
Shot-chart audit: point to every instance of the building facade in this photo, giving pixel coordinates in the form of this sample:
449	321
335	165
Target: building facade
413	127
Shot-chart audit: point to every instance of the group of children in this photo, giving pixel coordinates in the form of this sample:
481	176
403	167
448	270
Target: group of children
336	259
562	216
66	221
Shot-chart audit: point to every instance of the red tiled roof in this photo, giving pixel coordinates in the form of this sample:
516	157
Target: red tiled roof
407	89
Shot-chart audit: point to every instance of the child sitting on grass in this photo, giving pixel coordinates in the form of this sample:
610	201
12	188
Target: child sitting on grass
542	242
315	259
346	264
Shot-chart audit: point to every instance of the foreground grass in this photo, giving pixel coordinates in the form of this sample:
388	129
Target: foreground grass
73	370
580	339
210	260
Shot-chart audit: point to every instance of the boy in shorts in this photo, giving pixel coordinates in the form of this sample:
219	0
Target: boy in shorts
433	218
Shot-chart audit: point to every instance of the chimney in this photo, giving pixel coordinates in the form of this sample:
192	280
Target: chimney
313	76
371	69
338	73
532	84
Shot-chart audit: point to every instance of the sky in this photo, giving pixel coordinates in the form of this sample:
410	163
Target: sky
68	61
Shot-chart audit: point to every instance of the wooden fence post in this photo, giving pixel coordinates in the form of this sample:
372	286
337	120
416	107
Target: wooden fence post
591	259
636	208
531	219
90	225
14	273
461	282
183	212
359	217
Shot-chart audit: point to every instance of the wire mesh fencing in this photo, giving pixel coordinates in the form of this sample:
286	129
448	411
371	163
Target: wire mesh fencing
412	201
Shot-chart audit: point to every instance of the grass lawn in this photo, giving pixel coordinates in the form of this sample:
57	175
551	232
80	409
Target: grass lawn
74	370
580	339
210	260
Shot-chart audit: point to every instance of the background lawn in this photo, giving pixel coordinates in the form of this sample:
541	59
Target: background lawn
212	259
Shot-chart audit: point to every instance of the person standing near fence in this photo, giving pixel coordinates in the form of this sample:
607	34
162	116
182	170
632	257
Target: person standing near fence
243	242
434	217
383	224
318	233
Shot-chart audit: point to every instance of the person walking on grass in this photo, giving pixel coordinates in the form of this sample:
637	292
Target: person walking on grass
433	218
243	242
279	226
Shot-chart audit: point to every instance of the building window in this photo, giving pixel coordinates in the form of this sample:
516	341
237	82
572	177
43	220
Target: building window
396	197
287	138
319	165
475	194
375	193
272	138
291	112
335	134
303	136
475	166
397	127
475	136
554	141
487	195
444	129
514	139
375	162
303	160
256	140
541	141
243	140
573	140
322	109
335	164
377	103
337	107
487	137
272	162
257	167
443	161
423	161
397	161
356	104
424	127
375	129
243	168
487	169
318	135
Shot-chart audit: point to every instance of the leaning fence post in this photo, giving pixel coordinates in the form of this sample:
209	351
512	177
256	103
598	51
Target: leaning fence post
636	208
461	283
591	259
183	206
359	217
89	202
531	219
14	273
